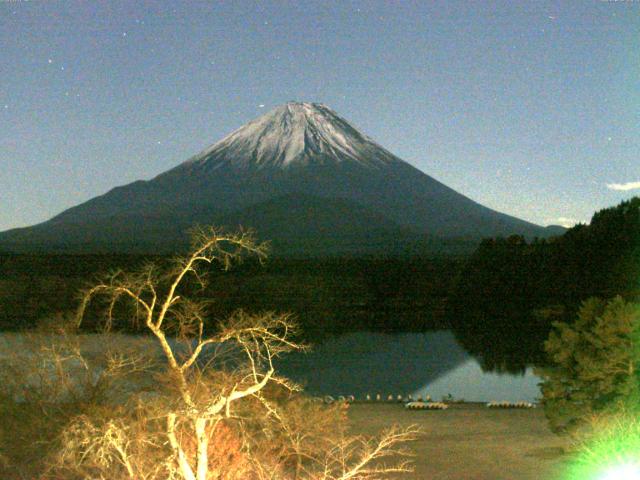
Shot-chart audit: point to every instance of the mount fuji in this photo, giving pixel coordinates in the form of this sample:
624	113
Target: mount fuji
301	175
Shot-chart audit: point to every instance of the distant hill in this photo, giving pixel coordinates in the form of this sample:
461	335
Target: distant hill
554	231
300	175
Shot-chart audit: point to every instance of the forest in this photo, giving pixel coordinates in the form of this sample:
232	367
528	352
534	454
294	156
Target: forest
509	292
500	301
328	295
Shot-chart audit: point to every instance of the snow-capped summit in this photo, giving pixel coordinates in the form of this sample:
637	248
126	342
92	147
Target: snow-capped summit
296	133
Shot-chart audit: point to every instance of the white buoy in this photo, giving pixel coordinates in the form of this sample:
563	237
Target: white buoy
426	406
504	404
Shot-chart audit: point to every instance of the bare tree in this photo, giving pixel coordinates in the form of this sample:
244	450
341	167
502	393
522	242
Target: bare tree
174	432
50	376
359	458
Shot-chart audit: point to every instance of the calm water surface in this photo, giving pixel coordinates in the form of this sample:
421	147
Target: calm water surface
364	363
400	364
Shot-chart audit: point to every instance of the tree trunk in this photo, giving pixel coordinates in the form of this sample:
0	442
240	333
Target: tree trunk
203	448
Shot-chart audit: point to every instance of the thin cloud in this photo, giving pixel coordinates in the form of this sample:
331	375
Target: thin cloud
623	187
563	221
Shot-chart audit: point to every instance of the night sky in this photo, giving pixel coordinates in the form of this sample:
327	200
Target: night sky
530	108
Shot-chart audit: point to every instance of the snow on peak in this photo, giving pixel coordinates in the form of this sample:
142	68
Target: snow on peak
295	133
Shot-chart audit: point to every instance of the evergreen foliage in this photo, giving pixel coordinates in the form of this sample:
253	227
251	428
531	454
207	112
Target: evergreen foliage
594	363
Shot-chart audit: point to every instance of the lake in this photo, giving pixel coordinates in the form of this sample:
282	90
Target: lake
362	363
418	364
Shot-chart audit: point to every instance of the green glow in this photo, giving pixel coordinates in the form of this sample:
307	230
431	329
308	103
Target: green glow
623	472
611	451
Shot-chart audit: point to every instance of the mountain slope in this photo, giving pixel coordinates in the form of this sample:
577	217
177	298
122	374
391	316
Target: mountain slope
298	149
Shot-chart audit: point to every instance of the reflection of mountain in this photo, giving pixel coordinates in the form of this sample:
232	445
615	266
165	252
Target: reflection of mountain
469	382
370	363
400	364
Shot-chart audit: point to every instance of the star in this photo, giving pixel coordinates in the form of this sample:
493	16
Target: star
50	61
124	34
261	105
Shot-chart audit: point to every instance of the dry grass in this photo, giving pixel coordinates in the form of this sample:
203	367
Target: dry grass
472	442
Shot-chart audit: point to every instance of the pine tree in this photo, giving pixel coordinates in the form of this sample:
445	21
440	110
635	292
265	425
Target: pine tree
593	363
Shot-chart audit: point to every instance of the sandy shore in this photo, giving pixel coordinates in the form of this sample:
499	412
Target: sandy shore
472	442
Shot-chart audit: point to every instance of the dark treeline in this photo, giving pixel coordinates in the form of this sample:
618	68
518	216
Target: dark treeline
330	295
510	290
500	301
37	287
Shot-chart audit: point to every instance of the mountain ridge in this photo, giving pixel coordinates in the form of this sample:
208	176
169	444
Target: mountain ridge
300	149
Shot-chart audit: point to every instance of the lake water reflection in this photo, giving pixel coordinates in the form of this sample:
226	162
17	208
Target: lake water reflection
430	363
